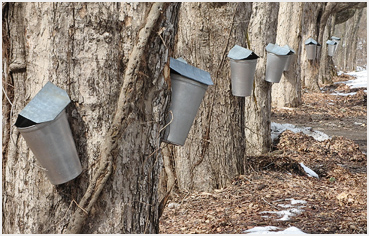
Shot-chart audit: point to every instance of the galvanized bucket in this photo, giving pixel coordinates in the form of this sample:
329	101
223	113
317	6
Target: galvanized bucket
44	125
310	51
337	40
331	50
189	85
187	95
275	66
242	76
331	47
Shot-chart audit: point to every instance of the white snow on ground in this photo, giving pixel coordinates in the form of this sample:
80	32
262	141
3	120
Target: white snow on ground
344	94
277	129
267	230
361	81
286	214
309	171
292	210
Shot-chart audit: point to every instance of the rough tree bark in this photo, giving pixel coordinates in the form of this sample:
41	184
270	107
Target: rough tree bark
287	93
352	41
119	95
262	30
214	149
310	28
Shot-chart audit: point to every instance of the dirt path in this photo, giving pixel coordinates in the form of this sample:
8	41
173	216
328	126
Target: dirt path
351	128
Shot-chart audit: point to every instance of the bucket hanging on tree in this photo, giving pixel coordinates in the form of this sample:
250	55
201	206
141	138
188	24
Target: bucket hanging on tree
44	125
310	47
189	85
243	64
331	47
276	61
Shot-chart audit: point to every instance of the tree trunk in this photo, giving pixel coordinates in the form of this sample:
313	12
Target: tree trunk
287	93
213	152
311	16
352	41
94	51
326	64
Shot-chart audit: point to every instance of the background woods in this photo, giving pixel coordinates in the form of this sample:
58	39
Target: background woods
112	59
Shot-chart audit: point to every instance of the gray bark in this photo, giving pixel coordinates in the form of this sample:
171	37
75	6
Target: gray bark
86	49
287	93
262	30
214	149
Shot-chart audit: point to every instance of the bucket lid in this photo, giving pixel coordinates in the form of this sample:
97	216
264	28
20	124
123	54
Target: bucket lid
190	72
311	41
45	106
241	53
330	42
291	50
276	49
335	38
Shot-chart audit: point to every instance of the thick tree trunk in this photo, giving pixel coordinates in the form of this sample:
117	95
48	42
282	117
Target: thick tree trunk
311	16
214	149
262	30
326	64
287	93
352	41
89	50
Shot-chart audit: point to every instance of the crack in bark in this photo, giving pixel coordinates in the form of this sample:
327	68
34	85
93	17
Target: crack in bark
119	122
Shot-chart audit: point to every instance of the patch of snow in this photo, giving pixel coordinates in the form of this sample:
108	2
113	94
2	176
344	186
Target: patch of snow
343	94
361	80
173	205
267	230
294	202
309	171
277	129
357	123
287	213
339	72
261	230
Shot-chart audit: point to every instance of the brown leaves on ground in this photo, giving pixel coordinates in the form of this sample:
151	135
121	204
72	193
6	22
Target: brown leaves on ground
335	203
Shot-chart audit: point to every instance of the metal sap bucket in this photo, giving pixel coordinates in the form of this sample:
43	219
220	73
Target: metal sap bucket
310	51
275	66
331	47
337	40
243	64
310	47
189	85
44	125
242	76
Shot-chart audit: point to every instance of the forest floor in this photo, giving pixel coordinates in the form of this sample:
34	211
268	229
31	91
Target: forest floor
303	186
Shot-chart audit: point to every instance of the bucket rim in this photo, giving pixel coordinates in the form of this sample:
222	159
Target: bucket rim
185	79
40	125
